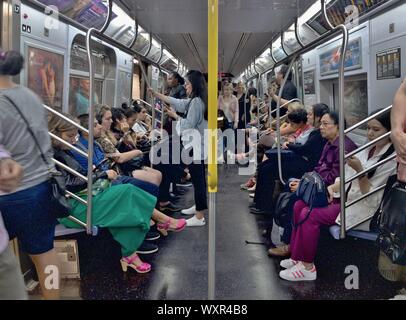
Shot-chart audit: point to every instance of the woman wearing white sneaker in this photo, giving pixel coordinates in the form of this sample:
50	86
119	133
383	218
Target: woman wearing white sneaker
304	239
195	109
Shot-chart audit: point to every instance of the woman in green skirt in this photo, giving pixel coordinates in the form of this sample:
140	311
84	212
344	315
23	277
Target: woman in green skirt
125	210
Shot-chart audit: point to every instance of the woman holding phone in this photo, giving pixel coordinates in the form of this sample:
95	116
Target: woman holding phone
195	109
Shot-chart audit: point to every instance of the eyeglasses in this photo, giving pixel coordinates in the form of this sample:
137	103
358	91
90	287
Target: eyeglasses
325	124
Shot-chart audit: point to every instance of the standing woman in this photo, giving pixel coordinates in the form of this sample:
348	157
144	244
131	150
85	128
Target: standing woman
26	211
228	103
195	108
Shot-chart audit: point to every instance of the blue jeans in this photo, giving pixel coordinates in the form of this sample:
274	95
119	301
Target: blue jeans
144	185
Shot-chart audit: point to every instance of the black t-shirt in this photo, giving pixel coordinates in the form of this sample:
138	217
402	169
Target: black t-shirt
289	92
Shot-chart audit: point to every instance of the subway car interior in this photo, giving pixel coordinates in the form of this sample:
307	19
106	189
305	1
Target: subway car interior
281	89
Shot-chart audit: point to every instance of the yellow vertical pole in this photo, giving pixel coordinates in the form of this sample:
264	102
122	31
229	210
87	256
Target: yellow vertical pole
212	137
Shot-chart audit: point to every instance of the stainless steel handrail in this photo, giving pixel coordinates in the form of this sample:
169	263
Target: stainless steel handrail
71	146
376	165
150	45
70	194
66	119
366	195
70	170
366	120
367	145
144	102
286	103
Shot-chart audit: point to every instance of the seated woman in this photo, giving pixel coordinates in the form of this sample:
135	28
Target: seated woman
141	117
144	173
124	209
297	158
328	167
267	139
125	160
303	244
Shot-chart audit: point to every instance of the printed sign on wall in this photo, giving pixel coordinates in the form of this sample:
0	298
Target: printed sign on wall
388	64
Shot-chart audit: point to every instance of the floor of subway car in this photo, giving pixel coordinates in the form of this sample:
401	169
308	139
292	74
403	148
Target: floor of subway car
243	271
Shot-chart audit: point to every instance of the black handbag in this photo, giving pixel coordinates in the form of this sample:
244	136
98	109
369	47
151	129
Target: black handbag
284	209
58	203
313	192
392	224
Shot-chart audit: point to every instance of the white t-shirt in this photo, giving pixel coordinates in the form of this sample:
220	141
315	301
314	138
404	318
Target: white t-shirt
365	209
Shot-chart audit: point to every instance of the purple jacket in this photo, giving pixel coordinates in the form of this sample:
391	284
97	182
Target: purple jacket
329	164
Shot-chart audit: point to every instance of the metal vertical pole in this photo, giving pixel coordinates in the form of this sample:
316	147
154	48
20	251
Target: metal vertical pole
278	120
341	113
212	172
89	227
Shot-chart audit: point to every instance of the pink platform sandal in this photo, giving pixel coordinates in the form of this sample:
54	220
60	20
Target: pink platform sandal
128	262
165	227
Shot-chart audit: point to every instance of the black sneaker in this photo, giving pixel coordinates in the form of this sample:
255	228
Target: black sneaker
257	211
152	235
169	207
147	248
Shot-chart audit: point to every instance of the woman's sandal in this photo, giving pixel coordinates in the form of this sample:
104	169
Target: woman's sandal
165	227
128	262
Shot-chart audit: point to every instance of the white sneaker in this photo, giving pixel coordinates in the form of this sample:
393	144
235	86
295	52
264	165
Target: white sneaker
190	211
194	222
288	263
299	273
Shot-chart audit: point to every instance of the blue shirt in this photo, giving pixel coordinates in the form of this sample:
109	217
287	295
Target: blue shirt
98	154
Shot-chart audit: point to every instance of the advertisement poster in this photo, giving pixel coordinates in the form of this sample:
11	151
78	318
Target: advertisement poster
158	113
90	13
45	75
308	78
330	60
388	64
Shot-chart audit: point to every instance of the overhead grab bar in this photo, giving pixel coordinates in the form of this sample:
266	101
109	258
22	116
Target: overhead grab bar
297	35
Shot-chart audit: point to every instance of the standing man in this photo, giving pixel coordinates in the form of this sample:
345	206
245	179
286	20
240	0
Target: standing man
289	90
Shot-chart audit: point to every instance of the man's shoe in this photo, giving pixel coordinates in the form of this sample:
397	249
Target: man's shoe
252	205
257	211
282	251
169	207
147	248
152	235
173	198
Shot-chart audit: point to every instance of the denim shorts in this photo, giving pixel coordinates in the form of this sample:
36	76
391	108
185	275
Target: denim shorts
27	216
144	185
